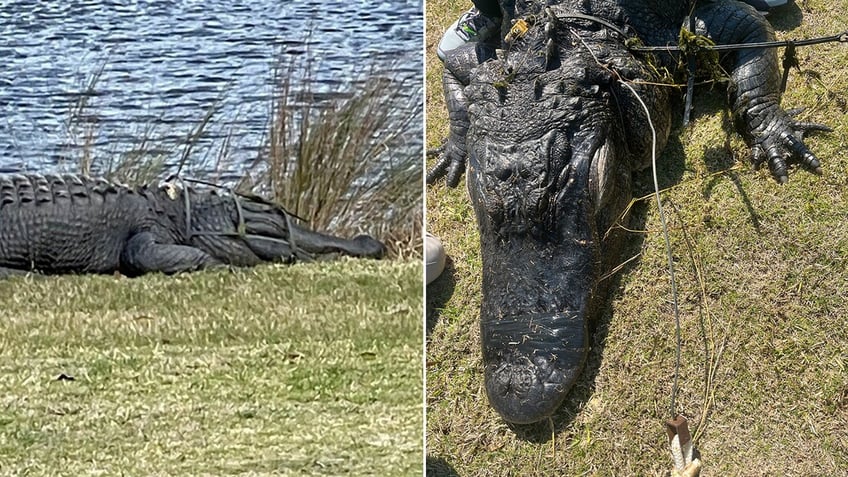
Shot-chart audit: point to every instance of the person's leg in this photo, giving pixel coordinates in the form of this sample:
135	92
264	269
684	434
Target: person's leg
477	24
490	8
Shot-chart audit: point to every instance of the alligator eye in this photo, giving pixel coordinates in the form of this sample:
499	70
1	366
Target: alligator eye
503	173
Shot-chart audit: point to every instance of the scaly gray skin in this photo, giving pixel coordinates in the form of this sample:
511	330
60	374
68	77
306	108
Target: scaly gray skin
552	139
74	224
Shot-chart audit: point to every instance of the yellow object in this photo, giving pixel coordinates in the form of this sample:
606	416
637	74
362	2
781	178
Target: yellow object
519	28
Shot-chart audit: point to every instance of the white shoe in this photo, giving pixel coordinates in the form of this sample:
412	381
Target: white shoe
434	257
471	26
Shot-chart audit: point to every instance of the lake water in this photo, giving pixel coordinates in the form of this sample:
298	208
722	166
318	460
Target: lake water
165	63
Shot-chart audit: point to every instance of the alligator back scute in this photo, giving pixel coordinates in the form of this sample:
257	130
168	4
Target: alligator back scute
42	190
76	187
16	189
61	190
66	223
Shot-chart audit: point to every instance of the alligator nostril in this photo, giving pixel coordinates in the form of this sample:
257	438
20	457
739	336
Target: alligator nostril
522	380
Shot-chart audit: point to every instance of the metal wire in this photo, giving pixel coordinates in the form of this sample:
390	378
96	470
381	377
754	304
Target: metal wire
670	257
839	37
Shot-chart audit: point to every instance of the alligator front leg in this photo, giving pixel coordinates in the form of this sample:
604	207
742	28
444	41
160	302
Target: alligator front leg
754	93
458	66
142	254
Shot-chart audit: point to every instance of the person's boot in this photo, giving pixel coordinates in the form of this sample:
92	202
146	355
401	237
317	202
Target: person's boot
471	26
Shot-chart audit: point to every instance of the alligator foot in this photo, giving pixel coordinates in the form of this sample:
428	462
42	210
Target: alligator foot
142	254
781	143
451	164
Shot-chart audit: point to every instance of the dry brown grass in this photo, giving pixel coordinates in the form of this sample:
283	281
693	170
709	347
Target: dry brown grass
770	322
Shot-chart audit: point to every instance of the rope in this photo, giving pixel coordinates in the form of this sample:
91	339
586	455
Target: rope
670	257
595	19
789	61
680	440
839	37
690	81
241	226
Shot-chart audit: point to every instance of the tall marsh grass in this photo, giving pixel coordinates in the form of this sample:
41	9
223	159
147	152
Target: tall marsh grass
347	161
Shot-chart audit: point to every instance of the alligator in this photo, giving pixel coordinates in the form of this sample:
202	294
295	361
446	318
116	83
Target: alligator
62	224
551	121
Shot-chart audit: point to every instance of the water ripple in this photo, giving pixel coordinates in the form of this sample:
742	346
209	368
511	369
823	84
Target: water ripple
166	62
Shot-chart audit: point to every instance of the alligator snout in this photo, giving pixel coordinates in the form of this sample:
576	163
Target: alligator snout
368	247
539	272
532	361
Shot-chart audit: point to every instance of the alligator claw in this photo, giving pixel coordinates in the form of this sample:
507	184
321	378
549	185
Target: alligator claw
455	173
451	165
804	128
436	150
441	167
784	145
757	157
794	111
806	158
777	165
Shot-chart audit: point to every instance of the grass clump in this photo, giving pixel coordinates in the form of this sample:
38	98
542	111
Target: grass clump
310	369
764	337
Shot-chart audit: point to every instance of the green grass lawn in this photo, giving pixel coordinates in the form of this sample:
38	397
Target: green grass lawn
768	322
311	369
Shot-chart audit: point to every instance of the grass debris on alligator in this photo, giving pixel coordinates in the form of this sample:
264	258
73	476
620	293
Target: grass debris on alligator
733	200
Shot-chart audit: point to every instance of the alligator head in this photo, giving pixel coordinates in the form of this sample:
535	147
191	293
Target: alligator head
548	172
